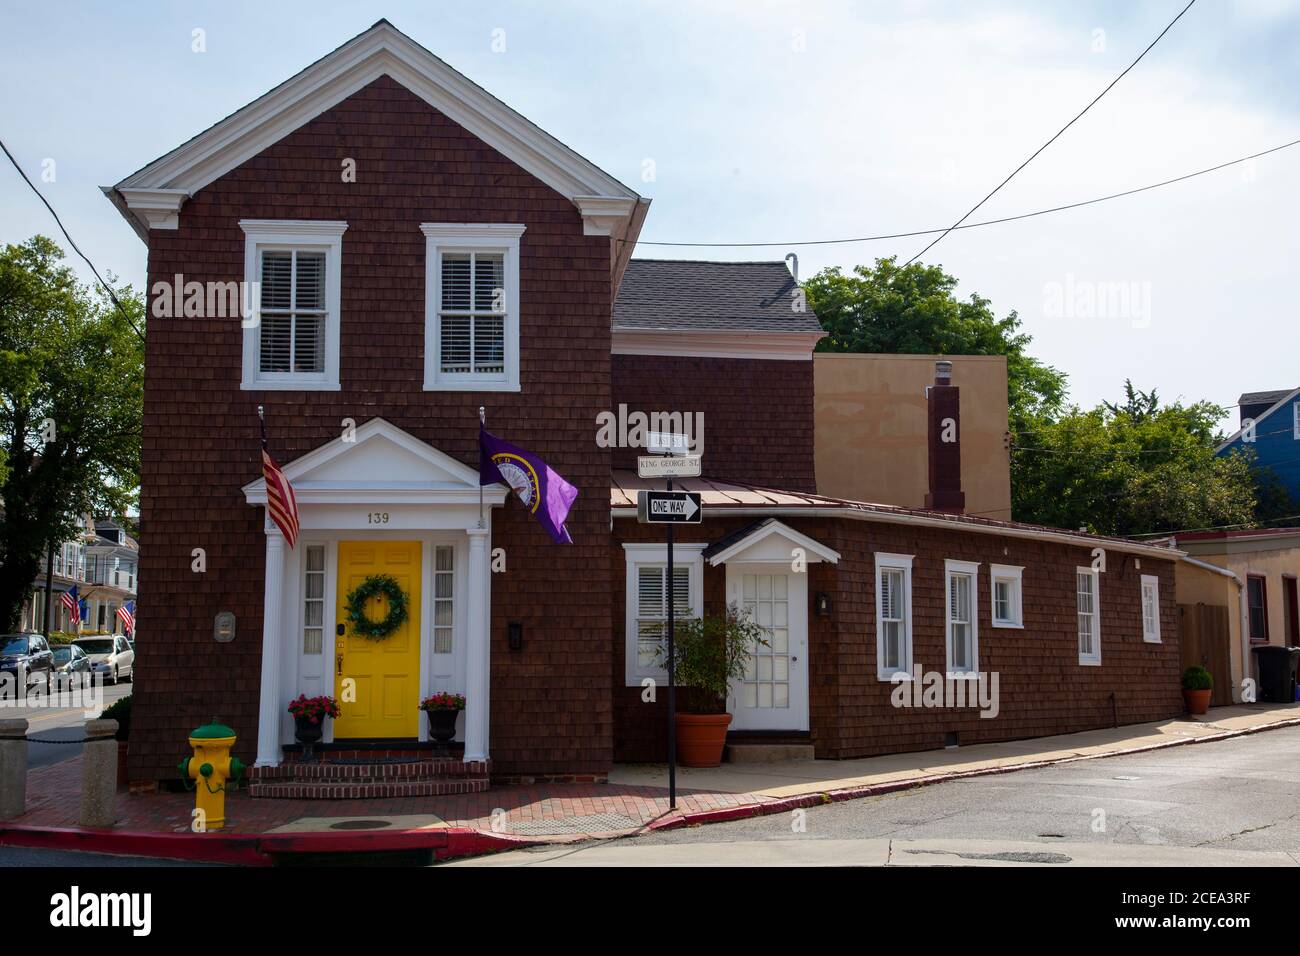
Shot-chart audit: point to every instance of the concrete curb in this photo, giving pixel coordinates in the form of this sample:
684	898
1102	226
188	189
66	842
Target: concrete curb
820	798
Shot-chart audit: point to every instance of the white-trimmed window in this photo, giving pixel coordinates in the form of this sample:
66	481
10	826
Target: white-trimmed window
647	603
1295	421
291	329
471	311
313	599
1150	609
962	616
1088	615
893	614
1006	595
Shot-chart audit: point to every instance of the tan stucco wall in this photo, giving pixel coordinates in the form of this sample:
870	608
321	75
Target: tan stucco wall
871	428
1271	558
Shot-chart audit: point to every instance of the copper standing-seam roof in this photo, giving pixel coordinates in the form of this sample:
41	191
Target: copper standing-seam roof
741	498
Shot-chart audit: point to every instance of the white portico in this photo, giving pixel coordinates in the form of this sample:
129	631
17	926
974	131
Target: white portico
377	498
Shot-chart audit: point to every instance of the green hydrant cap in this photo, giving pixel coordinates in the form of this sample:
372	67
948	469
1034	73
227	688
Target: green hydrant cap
212	730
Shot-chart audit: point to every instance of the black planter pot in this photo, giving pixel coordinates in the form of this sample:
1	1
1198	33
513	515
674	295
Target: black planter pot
442	725
308	734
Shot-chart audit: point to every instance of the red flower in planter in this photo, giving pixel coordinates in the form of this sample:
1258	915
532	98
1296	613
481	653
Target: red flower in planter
443	701
314	709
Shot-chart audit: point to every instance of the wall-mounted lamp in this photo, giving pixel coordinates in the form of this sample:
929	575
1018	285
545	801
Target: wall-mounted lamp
822	604
223	628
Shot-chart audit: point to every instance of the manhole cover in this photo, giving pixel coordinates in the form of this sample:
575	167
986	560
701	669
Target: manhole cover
360	825
592	823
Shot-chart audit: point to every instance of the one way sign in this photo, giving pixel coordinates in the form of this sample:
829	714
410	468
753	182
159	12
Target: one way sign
668	507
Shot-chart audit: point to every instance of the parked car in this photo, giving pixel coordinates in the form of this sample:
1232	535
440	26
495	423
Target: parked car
27	657
111	658
73	663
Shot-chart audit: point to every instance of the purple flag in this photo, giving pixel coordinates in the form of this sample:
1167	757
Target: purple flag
543	492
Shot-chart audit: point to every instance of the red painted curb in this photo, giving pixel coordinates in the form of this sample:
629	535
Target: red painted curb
256	849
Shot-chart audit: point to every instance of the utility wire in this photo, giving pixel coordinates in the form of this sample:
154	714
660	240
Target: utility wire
104	285
1032	157
982	222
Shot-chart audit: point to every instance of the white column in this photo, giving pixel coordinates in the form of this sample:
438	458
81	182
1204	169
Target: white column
478	648
269	753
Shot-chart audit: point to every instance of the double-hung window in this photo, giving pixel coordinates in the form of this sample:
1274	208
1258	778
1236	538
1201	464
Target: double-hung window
963	617
893	615
471	340
647	603
1257	607
291	303
1150	609
1006	587
1088	614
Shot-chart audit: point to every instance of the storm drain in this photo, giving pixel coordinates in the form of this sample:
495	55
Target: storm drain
360	825
592	823
1005	857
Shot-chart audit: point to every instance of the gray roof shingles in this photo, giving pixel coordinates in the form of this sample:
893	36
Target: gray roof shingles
688	295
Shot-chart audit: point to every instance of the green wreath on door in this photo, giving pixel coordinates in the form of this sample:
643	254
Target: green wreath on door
377	585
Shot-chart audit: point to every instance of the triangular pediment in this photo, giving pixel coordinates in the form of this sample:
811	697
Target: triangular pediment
151	196
378	460
768	540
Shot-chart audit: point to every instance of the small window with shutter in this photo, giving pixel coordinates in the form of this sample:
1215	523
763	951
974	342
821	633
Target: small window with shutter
963	617
291	302
1150	609
647	603
893	615
472	305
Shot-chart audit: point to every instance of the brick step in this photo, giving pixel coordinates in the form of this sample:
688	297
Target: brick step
371	771
317	789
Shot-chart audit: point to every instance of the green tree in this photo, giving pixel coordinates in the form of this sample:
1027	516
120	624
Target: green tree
71	391
1130	468
888	308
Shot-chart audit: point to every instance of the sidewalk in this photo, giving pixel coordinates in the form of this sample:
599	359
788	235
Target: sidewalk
634	799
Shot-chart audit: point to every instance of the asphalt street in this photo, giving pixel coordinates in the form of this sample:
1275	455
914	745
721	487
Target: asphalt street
56	723
1213	804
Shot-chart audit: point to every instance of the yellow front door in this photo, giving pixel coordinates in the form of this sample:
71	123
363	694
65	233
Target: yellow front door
377	682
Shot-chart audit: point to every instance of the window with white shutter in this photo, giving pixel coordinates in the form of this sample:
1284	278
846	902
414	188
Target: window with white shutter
1150	609
893	615
472	306
963	617
1088	615
291	333
647	602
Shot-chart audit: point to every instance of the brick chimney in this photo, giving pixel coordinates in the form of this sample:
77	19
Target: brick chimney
945	442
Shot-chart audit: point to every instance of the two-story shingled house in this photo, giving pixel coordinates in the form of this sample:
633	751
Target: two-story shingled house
418	250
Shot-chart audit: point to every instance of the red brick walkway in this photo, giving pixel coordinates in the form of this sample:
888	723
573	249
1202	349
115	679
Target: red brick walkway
53	799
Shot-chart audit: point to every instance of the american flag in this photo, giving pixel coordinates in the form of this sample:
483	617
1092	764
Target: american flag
126	614
280	502
69	600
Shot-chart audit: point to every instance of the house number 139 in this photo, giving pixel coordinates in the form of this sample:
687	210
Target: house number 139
377	517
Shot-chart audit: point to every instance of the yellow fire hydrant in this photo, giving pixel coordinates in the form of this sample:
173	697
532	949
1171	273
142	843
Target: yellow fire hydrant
210	768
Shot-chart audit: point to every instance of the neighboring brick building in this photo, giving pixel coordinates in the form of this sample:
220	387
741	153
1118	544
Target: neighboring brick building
419	250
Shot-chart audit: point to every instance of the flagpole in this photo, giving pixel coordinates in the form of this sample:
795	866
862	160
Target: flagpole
482	424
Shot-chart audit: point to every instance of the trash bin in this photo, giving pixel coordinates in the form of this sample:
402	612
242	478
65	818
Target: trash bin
1277	673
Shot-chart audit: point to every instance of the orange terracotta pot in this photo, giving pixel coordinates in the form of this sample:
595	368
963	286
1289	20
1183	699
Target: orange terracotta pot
1197	701
700	739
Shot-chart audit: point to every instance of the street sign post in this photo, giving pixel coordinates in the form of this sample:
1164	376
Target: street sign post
668	507
671	466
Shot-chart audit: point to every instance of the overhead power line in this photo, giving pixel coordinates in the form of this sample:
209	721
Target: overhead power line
1055	137
104	285
985	222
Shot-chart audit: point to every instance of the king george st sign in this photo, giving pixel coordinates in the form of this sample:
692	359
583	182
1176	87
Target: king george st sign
668	507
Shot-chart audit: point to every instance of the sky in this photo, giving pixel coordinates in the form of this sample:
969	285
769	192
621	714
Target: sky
782	121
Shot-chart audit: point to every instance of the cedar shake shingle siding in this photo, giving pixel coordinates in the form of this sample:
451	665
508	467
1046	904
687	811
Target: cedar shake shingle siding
757	413
551	708
1043	688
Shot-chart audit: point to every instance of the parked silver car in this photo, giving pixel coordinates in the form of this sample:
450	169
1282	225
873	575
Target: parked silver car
111	657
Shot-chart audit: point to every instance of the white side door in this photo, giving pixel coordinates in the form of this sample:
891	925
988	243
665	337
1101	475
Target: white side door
773	694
